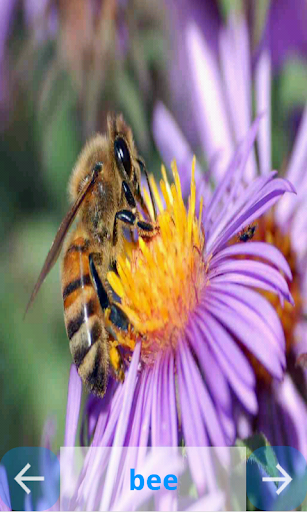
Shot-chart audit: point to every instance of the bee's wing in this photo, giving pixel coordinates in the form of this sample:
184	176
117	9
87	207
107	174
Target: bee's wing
56	247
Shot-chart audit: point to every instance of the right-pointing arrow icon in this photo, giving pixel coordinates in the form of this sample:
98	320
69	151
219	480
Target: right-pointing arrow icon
286	479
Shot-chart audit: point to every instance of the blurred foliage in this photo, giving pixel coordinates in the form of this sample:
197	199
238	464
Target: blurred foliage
43	127
228	6
288	97
293	85
267	461
257	10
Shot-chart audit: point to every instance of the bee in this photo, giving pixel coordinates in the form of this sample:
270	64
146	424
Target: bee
247	234
105	187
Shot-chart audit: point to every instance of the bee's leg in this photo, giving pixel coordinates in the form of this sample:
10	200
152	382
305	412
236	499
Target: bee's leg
117	363
113	267
131	201
132	237
104	292
118	318
130	219
126	191
139	194
129	196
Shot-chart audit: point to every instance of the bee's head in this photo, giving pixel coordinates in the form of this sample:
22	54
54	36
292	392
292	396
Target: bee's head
125	152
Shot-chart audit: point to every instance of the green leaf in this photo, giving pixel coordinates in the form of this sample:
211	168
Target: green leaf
303	506
130	101
260	14
267	459
229	6
293	84
253	443
59	140
154	48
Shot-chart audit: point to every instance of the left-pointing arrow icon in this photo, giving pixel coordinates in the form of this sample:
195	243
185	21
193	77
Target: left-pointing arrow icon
20	479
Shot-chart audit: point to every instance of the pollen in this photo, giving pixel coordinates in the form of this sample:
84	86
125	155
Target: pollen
160	278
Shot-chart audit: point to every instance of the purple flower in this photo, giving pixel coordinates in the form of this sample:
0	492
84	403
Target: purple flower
194	313
284	226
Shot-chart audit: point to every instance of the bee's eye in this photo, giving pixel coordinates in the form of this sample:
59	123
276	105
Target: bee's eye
122	155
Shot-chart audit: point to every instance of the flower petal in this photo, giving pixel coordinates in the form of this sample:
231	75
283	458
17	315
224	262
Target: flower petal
289	423
296	171
4	490
172	144
206	407
256	249
214	377
73	406
228	187
230	357
263	105
236	66
120	433
248	270
254	208
202	471
209	101
266	313
248	333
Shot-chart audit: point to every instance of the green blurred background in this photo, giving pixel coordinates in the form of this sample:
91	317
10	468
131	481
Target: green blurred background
64	69
64	65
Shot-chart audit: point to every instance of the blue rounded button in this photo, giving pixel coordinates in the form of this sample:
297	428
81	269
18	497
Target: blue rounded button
276	478
33	478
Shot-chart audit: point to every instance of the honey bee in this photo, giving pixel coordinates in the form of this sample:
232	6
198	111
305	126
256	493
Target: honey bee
105	187
247	234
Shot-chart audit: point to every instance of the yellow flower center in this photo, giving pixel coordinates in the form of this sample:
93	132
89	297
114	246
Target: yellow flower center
160	278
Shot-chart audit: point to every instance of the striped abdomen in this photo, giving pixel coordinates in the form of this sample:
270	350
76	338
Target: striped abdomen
83	316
